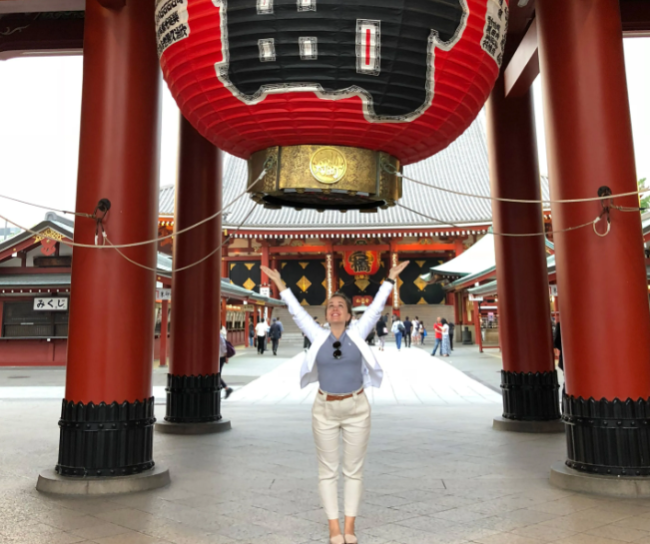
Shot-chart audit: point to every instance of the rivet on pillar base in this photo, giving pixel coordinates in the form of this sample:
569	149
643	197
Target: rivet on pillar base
529	396
607	437
193	399
106	440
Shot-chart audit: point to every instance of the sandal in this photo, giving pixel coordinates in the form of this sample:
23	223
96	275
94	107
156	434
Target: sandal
351	539
338	539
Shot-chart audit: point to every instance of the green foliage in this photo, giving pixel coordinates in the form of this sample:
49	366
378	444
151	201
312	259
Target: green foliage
644	199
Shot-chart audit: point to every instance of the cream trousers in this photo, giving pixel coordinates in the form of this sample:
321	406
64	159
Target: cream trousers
351	418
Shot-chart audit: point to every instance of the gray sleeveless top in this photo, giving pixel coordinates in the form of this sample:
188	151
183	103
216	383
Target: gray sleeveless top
339	376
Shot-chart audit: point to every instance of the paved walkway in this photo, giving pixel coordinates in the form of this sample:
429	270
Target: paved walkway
411	376
436	473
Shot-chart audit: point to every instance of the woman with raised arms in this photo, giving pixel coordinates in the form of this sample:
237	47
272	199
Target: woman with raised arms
343	365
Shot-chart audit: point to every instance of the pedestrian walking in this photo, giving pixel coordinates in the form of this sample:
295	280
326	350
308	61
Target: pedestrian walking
398	330
281	330
437	330
557	345
415	334
260	331
275	333
344	365
423	332
408	328
382	332
452	326
223	359
251	333
306	343
445	348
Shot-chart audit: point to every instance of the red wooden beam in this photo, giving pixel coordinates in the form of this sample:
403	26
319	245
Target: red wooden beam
13	270
25	245
523	68
300	249
238	258
635	15
403	248
354	247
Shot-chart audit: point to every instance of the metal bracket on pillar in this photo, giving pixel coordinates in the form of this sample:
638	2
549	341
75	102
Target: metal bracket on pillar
115	5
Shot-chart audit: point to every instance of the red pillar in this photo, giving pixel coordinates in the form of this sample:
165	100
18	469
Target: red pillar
110	347
264	280
225	273
224	314
275	293
247	329
528	379
163	332
476	315
193	392
589	139
459	248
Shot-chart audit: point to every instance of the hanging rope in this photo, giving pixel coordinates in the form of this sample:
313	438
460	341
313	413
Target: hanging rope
145	242
116	248
391	170
506	234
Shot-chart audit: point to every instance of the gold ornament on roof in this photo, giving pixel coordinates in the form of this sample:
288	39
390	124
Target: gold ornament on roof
48	234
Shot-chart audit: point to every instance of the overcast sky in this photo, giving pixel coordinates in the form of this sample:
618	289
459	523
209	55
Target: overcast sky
40	101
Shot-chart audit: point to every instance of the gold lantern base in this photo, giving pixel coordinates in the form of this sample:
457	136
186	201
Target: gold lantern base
324	178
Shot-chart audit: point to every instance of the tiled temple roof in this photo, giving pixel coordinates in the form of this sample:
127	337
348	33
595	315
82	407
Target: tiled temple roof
463	166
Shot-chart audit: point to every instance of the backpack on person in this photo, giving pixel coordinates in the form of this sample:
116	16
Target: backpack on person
400	327
230	350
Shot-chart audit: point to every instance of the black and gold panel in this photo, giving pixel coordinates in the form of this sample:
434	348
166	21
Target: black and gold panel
307	280
246	274
414	290
353	286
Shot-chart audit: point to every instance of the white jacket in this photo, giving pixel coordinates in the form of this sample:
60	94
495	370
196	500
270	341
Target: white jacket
357	332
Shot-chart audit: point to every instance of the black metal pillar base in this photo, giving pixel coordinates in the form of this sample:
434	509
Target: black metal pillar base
210	427
52	483
631	487
609	438
530	396
106	440
525	426
193	399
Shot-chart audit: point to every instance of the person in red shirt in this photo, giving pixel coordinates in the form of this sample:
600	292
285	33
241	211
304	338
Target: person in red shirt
437	329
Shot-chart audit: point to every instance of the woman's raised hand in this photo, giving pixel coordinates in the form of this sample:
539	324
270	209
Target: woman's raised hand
274	276
397	270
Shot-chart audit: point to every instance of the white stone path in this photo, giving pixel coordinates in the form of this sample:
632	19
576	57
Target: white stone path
411	376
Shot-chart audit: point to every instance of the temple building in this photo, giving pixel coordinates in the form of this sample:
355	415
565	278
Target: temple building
320	252
35	278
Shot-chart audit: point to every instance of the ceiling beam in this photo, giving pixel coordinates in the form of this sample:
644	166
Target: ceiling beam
523	68
34	6
24	35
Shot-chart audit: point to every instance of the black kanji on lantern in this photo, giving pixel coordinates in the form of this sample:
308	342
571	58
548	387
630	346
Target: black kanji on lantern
359	262
382	52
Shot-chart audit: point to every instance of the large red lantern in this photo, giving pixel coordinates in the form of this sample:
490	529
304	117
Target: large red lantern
330	96
361	262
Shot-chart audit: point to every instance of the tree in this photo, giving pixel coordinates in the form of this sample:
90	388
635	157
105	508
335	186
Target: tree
644	199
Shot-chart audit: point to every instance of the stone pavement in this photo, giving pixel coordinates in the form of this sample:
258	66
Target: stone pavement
411	376
436	473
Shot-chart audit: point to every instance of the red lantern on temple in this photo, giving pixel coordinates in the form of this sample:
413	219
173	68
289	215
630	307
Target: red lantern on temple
361	262
330	98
